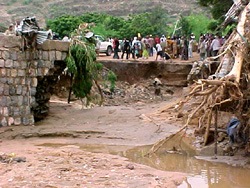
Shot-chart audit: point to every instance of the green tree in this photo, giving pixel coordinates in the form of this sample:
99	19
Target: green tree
199	24
185	26
218	8
64	25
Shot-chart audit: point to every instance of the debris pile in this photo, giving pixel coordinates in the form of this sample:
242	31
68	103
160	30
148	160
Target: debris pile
124	93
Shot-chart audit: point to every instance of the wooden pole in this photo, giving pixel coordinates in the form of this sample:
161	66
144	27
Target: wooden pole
215	131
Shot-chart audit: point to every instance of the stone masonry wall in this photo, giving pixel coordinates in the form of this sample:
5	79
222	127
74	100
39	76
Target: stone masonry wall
20	73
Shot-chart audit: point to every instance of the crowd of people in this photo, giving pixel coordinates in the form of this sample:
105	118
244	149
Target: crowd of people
168	47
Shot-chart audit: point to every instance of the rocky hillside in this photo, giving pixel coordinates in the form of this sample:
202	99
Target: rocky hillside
43	9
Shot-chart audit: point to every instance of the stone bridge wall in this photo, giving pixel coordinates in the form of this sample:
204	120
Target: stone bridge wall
26	79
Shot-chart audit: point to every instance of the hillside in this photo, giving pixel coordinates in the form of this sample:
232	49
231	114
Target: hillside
43	9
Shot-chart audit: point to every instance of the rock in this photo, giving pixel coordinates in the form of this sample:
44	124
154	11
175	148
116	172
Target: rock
130	167
59	161
20	159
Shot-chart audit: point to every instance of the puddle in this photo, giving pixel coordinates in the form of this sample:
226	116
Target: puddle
201	174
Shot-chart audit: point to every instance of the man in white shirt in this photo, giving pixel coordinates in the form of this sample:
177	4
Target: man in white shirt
159	51
215	46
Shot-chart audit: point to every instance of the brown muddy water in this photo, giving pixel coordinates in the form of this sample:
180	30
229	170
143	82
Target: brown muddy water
201	173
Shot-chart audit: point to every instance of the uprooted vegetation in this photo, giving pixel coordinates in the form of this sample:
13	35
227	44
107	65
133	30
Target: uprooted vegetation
228	90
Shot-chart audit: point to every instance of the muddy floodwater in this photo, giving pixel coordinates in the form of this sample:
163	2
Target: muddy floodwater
201	174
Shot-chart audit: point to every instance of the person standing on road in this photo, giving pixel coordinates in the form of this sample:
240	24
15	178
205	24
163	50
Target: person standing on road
215	46
116	48
126	48
151	45
159	51
163	42
202	48
184	54
190	47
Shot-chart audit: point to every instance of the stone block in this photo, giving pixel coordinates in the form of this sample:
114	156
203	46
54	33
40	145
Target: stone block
25	121
64	55
6	90
5	55
10	80
10	41
17	121
16	64
16	112
21	73
62	46
7	72
22	81
58	55
14	101
27	110
9	63
23	64
33	82
40	63
45	55
21	56
2	72
27	55
48	64
26	100
12	90
8	101
54	45
5	111
3	80
33	91
13	55
13	72
17	81
1	89
33	102
52	55
10	121
25	90
22	111
36	55
4	122
19	90
3	101
20	100
27	81
1	63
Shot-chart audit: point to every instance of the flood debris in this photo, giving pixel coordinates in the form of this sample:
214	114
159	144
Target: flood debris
10	158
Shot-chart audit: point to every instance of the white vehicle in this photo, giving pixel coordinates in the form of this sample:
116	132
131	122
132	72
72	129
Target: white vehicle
106	47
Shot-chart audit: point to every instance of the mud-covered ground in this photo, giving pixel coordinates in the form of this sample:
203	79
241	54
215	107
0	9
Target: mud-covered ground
115	123
69	166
